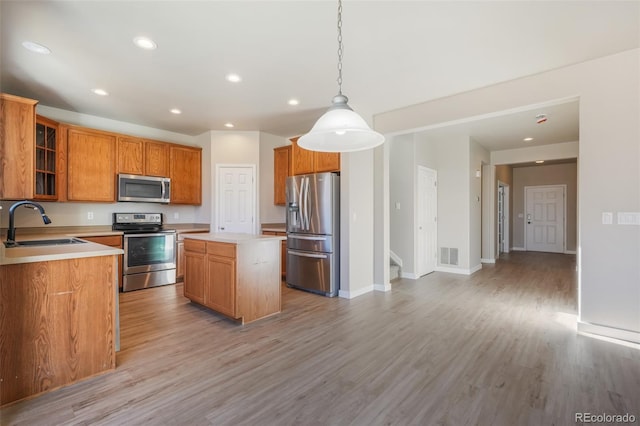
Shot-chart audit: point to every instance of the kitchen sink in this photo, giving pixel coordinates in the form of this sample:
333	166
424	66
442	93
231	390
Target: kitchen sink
37	243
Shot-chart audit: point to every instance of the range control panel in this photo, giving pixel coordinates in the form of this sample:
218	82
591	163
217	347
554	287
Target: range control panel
149	218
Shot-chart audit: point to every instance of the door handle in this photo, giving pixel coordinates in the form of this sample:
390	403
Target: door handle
315	256
302	237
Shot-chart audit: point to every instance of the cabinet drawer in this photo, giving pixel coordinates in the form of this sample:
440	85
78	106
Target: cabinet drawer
221	249
107	240
195	246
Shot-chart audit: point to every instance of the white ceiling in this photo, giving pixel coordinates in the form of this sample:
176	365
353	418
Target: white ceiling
396	54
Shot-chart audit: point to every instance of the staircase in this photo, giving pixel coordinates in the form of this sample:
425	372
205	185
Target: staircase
395	266
394	270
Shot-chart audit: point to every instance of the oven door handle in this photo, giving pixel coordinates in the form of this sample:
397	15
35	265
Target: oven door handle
155	234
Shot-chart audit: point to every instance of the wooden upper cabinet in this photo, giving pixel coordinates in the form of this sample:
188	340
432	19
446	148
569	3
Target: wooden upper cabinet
281	170
304	161
47	155
185	171
301	159
156	159
91	168
130	155
326	161
17	136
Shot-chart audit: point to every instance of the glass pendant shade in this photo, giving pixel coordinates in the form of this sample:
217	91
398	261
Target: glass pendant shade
340	129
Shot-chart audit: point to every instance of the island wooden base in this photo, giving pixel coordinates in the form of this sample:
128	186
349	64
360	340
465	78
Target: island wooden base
57	324
241	281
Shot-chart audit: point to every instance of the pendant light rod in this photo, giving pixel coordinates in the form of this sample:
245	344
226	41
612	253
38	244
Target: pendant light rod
340	47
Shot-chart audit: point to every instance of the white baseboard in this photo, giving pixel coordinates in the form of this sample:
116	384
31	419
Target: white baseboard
518	249
611	332
487	261
382	287
345	294
410	275
459	271
569	252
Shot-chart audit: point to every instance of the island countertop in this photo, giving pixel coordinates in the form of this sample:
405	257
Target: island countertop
233	238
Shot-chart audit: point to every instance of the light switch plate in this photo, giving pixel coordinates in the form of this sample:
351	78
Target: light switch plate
628	218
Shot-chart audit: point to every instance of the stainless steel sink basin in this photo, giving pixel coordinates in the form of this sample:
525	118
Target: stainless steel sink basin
37	243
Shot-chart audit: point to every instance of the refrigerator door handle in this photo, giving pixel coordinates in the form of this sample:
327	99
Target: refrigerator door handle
302	237
306	205
300	191
301	254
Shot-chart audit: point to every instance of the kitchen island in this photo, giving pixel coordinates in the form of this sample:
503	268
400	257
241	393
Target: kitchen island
237	275
58	318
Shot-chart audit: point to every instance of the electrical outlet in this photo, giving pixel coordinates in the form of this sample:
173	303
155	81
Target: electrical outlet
176	215
90	215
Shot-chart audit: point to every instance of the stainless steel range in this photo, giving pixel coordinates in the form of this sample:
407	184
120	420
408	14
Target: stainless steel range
149	250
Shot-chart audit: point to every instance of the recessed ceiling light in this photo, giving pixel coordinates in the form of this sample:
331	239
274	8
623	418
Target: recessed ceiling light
145	43
539	161
175	111
293	102
527	139
229	125
100	92
234	78
35	47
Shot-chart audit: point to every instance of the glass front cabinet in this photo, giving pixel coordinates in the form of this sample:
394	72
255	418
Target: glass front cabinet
46	159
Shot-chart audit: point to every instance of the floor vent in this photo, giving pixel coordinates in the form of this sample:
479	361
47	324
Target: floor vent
448	256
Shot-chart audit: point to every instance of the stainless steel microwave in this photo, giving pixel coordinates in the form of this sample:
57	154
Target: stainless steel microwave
146	189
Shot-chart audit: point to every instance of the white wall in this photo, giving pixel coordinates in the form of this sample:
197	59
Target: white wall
356	223
478	156
557	151
401	187
454	199
269	212
608	89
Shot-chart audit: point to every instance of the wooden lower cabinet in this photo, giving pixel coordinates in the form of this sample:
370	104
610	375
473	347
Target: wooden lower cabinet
240	281
194	270
220	288
55	330
111	241
180	253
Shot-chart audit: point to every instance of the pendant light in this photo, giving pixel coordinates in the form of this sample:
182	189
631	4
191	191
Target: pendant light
340	129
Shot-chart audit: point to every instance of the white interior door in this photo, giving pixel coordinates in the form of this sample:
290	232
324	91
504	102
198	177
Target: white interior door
544	218
427	211
236	199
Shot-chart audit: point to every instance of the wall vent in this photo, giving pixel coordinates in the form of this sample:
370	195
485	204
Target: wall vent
448	256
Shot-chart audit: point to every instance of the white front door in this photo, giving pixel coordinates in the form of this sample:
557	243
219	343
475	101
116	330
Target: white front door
427	211
544	218
236	199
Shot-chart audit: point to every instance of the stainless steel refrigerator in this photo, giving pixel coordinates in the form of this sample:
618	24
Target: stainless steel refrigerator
313	233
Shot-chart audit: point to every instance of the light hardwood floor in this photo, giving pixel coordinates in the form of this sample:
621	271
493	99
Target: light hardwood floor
495	348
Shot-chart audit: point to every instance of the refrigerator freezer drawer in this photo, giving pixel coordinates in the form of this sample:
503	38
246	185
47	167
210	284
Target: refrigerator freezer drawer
312	271
309	242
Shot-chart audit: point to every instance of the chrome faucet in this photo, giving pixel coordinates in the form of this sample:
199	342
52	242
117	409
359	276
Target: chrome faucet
11	233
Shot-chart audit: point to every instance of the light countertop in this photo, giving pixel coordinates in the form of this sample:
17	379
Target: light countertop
232	238
9	256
